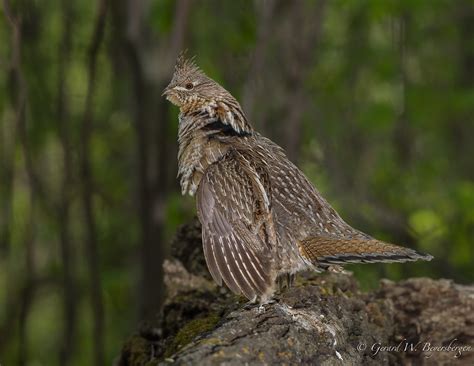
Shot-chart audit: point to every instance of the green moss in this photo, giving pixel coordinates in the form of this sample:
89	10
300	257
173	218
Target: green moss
191	330
211	341
327	291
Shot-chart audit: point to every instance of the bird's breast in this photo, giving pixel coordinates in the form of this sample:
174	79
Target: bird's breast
194	157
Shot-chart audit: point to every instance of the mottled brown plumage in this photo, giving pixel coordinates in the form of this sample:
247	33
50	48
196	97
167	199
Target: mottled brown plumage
261	217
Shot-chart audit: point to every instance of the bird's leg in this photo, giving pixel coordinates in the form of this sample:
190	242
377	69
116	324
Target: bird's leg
285	280
280	283
250	304
261	308
290	280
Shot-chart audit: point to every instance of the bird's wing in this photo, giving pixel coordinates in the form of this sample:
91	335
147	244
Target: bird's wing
234	210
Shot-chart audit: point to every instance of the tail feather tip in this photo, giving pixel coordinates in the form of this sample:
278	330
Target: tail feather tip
423	256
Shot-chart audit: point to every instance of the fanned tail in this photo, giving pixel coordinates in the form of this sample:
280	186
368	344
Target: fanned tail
327	250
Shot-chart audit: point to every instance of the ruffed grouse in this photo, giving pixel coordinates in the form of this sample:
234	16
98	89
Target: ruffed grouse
262	219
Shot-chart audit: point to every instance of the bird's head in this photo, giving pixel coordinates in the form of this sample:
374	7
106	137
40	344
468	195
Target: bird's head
190	89
190	86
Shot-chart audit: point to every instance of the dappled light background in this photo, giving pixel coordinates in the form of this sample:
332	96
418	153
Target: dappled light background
374	100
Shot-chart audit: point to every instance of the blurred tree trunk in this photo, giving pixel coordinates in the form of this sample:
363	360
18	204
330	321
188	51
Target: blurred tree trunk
150	61
403	138
301	51
18	94
151	251
29	287
7	172
350	137
91	245
8	141
274	94
461	129
403	135
66	251
253	85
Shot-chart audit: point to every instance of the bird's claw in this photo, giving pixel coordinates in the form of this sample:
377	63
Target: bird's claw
259	307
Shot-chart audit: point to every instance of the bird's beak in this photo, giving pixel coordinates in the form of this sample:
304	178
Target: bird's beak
165	92
170	94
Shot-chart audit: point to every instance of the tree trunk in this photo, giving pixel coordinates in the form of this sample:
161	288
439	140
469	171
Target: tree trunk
154	145
64	207
91	245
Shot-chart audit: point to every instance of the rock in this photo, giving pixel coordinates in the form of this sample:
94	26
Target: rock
431	313
323	320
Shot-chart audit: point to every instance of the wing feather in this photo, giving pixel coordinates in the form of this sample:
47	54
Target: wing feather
211	259
226	200
243	278
255	270
206	203
224	267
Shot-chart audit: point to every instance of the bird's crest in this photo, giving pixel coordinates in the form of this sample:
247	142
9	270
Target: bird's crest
186	66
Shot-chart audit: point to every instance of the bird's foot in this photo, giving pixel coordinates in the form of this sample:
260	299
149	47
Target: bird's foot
250	305
259	307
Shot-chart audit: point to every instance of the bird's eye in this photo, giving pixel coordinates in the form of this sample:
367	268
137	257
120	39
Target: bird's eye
189	86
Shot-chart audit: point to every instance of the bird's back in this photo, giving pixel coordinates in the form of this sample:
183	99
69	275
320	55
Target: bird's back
310	233
298	209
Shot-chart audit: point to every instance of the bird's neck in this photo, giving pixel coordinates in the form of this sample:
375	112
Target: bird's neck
205	135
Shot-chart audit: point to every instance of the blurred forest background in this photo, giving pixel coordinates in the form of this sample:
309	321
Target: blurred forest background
373	99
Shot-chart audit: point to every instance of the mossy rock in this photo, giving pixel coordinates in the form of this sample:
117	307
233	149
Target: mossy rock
192	329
